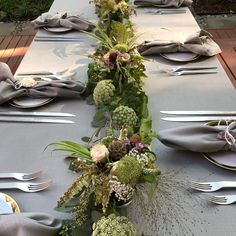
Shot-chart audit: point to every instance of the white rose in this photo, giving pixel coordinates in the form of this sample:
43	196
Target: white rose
99	153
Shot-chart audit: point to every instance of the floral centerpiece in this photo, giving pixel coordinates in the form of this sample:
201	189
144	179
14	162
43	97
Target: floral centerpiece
111	169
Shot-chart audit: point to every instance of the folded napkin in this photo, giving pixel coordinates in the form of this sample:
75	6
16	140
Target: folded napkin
9	87
163	3
200	138
200	43
61	19
29	224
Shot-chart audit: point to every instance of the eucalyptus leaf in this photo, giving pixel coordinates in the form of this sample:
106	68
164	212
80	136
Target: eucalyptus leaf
86	139
99	119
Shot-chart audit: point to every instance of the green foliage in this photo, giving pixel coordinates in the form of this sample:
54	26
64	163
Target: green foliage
21	10
75	149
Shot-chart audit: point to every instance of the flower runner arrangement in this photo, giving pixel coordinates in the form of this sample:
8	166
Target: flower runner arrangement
113	168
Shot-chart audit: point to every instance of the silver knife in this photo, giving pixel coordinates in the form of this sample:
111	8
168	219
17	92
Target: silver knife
34	120
199	112
42	113
197	118
169	12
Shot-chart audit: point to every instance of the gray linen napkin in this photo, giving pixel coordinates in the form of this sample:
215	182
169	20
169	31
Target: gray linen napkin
163	3
29	224
54	88
61	19
200	43
197	138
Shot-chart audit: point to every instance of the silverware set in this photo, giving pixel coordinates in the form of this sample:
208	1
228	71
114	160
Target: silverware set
167	11
24	186
215	186
189	70
35	117
198	116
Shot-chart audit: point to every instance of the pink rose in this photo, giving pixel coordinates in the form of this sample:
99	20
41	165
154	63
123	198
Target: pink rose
99	153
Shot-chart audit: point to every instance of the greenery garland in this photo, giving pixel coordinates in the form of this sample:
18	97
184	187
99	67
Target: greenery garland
112	168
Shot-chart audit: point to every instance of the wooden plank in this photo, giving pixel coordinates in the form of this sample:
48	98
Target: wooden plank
6	41
10	49
13	49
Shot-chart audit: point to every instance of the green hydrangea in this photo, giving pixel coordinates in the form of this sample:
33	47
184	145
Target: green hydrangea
128	170
103	91
124	116
113	226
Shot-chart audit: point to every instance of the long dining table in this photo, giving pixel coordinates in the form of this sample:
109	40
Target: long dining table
23	144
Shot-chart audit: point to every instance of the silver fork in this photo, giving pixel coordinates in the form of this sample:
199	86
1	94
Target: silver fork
212	186
223	200
21	176
27	187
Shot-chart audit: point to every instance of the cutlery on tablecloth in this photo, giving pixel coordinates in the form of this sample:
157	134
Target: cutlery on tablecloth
212	186
222	200
27	187
167	11
34	120
199	112
40	113
191	72
181	68
21	176
50	38
198	118
43	72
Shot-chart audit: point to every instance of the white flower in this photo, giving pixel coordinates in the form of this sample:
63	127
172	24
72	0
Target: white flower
27	82
99	153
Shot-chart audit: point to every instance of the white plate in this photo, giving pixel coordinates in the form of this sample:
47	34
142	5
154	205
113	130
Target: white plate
224	159
8	205
28	102
180	56
57	29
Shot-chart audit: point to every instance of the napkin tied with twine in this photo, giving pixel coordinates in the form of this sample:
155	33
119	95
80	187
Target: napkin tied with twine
54	88
199	138
29	224
61	19
200	43
163	3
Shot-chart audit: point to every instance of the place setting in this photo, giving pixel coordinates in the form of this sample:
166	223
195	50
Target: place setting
183	49
59	27
13	218
35	89
162	7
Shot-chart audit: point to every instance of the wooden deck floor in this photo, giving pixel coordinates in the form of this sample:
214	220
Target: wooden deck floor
13	49
226	38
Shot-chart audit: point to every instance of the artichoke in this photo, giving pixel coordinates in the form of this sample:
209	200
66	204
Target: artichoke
124	116
113	226
117	150
103	91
